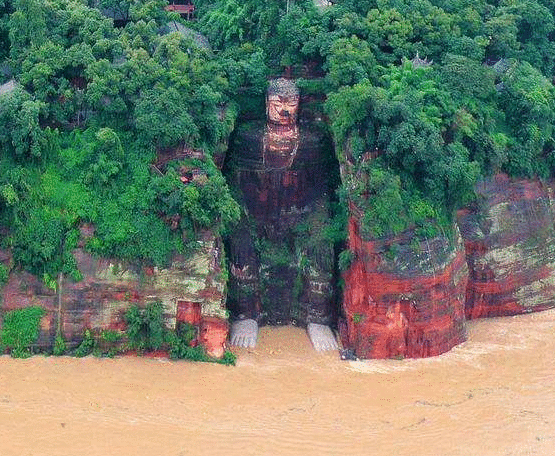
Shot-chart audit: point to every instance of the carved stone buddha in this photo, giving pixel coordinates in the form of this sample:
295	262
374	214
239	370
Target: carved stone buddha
281	270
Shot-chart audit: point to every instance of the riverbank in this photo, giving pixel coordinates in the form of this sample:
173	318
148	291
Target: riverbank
493	395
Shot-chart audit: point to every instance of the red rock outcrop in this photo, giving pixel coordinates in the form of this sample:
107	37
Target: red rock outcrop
509	238
189	312
212	335
404	298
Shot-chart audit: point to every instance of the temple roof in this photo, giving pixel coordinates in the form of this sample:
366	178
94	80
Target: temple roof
8	86
200	40
417	62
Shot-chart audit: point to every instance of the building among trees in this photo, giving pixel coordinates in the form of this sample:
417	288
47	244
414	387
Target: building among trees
185	8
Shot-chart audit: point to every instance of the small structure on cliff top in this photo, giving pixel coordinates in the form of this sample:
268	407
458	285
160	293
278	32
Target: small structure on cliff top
185	8
417	62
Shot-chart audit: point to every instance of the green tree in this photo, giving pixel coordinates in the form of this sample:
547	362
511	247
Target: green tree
27	27
405	124
145	327
527	98
20	132
349	62
20	330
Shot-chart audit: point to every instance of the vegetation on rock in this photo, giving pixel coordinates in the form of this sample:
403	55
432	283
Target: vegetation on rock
442	93
423	97
20	331
83	111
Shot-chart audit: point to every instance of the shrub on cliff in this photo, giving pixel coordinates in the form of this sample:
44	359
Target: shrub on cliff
145	327
87	346
20	331
60	346
181	349
4	273
146	331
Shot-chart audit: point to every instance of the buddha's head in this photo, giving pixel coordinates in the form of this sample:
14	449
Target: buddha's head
282	102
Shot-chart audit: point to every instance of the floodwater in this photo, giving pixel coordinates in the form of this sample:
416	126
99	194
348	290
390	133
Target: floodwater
493	395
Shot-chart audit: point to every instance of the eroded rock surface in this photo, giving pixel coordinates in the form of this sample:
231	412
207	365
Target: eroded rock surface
108	289
510	247
404	298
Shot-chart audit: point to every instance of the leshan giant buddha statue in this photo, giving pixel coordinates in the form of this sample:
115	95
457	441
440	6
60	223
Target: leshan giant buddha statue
281	262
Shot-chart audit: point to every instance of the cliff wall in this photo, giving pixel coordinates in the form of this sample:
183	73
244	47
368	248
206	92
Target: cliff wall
509	238
109	288
404	298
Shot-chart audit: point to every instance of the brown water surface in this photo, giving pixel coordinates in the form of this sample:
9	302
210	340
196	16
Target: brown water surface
493	395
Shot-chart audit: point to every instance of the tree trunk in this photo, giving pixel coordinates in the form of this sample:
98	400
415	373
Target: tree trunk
59	322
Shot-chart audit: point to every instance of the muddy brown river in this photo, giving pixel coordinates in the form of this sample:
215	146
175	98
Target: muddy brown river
493	395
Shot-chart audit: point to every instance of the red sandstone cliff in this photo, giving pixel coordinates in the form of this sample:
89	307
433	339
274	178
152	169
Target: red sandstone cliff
509	238
99	301
406	304
401	298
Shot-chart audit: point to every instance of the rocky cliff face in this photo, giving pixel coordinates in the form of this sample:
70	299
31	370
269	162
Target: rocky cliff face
404	298
509	239
108	289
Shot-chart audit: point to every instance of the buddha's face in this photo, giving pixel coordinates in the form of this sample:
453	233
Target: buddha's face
282	110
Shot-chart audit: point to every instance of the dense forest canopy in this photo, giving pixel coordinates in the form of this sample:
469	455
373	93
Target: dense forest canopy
423	98
86	108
